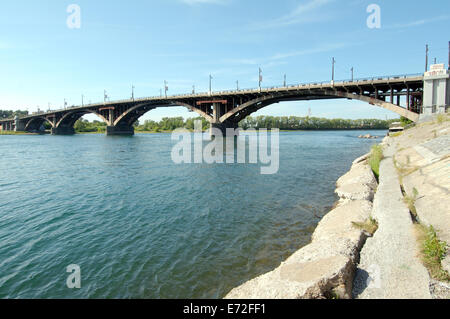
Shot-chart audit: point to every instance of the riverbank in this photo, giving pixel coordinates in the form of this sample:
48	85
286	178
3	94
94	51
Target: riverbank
17	133
378	241
409	253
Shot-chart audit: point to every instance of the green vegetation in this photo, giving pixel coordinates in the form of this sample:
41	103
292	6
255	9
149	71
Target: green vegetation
404	121
168	124
15	133
311	123
11	114
84	126
370	225
376	155
433	252
404	169
285	123
396	134
441	118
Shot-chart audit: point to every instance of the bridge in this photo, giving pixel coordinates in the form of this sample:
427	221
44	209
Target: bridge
225	109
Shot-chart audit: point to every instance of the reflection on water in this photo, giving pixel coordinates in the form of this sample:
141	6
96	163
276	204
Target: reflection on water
140	226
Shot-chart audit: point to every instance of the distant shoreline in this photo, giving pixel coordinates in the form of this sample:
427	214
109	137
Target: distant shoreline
169	132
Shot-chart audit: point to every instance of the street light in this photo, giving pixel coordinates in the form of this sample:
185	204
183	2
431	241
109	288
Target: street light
333	62
132	92
260	78
352	73
210	84
166	88
284	81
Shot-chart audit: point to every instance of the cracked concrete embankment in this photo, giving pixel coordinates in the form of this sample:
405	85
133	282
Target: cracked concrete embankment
419	160
324	268
390	257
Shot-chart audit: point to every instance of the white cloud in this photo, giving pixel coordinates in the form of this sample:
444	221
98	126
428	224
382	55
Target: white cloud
303	13
277	59
319	49
419	22
197	2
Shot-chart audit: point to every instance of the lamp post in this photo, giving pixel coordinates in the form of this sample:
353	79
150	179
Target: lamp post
352	73
166	88
132	92
333	62
210	84
260	79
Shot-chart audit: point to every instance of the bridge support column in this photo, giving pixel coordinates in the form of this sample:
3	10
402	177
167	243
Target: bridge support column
222	127
62	130
20	125
125	130
436	91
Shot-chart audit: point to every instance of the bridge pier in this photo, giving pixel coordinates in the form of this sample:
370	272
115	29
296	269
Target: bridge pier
124	130
19	125
222	127
63	130
436	91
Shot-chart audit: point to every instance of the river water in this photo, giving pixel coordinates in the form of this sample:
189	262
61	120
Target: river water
140	226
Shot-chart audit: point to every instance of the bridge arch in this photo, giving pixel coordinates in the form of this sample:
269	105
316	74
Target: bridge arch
239	113
35	123
70	118
131	115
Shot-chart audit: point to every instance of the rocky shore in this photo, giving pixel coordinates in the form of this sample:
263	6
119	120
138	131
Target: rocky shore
370	245
325	268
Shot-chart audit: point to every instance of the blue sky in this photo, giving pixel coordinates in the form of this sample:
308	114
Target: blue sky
139	42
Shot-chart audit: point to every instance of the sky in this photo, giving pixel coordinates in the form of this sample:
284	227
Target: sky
143	43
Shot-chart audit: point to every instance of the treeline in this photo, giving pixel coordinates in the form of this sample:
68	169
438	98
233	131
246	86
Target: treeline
168	124
311	123
84	126
11	114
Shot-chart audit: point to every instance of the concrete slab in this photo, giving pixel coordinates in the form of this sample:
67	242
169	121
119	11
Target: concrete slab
389	265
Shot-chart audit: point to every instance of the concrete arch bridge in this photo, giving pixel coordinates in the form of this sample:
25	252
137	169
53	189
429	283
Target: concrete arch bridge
225	109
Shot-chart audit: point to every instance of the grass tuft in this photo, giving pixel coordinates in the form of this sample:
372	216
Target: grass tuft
395	134
433	252
370	225
376	155
410	201
440	118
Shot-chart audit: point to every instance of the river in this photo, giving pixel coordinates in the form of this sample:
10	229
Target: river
141	226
